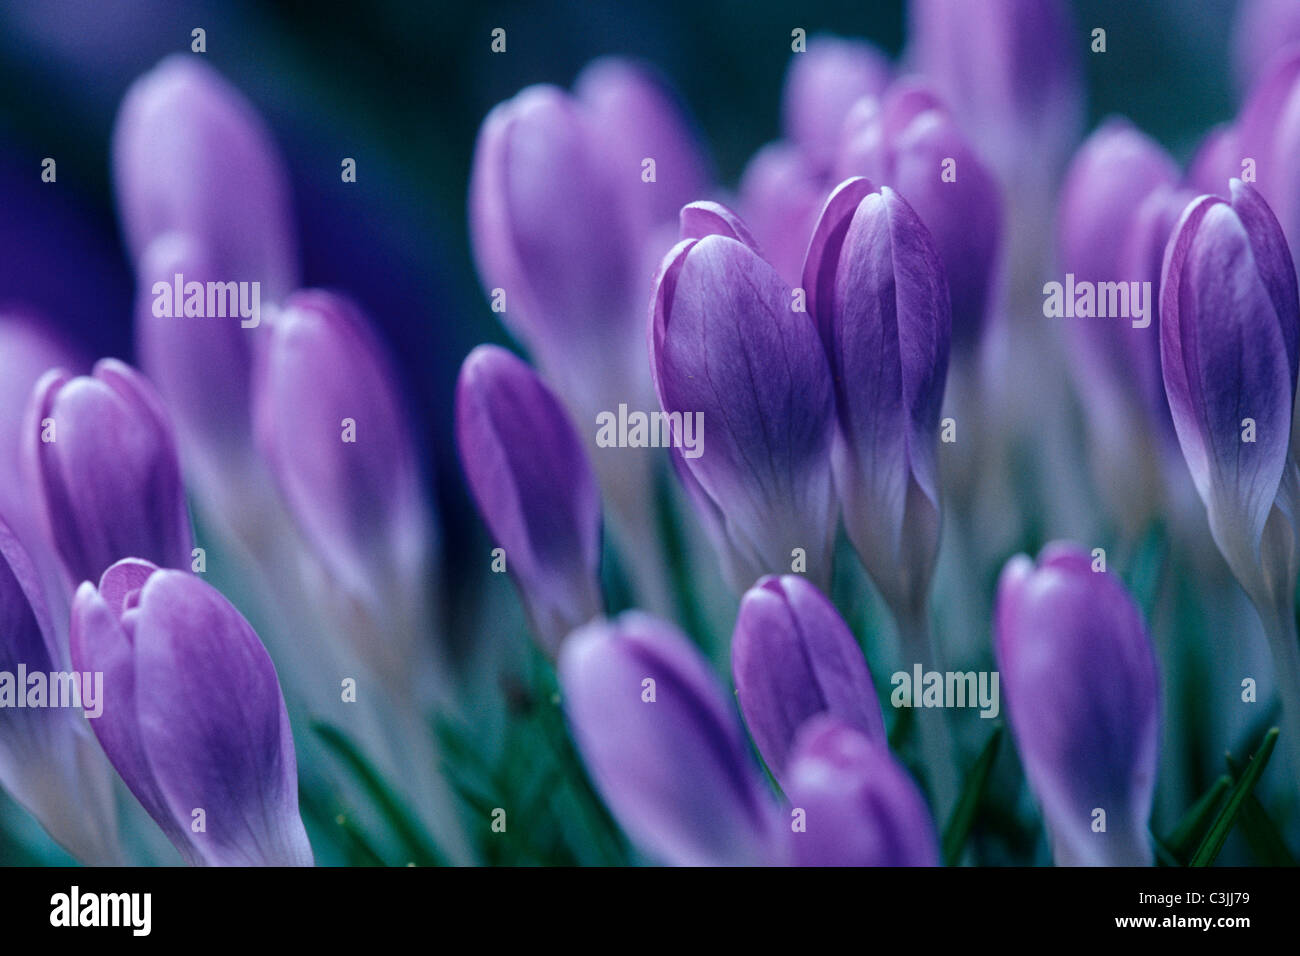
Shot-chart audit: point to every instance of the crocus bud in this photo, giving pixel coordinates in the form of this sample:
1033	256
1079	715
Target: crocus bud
736	358
1119	204
194	720
28	349
638	118
664	747
780	196
859	806
1263	30
549	227
912	143
1230	323
877	292
1216	161
1009	69
534	487
47	760
101	460
822	83
329	419
792	658
1268	138
1083	702
191	155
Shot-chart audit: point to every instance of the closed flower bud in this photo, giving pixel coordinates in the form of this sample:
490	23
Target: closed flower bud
1082	697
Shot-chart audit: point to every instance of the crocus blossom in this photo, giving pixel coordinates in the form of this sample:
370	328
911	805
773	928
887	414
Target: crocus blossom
534	487
859	806
730	347
793	658
102	461
194	722
1082	697
664	747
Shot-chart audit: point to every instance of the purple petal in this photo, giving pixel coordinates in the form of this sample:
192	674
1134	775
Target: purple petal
780	195
1268	132
190	154
793	657
663	745
1264	30
1217	160
638	117
880	300
1082	695
109	483
1229	330
726	343
821	85
331	423
862	809
214	727
529	474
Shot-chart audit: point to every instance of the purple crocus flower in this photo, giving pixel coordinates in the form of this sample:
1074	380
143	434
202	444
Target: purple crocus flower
534	487
48	761
780	195
1009	69
336	433
203	194
194	721
729	348
664	747
28	349
792	658
860	806
877	291
1120	202
1268	133
102	462
191	155
1264	29
911	142
1229	342
1083	703
821	85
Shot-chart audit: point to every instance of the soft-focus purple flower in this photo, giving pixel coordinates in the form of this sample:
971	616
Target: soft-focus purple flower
28	349
1009	70
191	155
1120	202
101	461
534	487
728	347
780	195
911	143
821	84
1263	30
194	720
664	746
1217	159
877	292
331	423
1083	702
1230	327
48	760
861	807
1268	132
638	117
792	658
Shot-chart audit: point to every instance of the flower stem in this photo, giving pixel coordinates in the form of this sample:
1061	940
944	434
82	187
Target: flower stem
937	750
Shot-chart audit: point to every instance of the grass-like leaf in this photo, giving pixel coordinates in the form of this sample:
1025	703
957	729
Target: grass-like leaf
1186	836
423	852
1261	832
1227	818
959	825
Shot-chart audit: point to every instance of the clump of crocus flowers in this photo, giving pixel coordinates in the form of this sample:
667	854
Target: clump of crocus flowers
889	421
